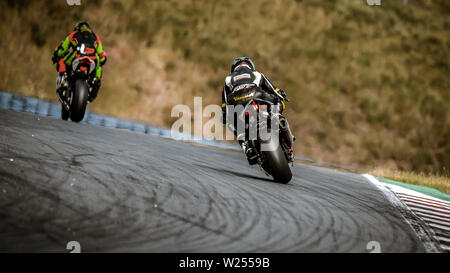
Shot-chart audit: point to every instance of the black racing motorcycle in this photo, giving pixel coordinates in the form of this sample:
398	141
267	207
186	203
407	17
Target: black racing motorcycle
268	132
79	90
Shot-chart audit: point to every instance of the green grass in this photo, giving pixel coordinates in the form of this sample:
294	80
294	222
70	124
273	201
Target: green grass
369	86
440	182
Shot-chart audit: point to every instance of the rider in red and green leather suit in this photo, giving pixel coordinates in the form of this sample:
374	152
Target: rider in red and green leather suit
66	51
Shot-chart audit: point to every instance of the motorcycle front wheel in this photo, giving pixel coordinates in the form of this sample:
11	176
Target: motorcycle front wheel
79	100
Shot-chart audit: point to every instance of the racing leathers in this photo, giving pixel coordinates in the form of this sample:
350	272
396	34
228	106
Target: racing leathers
245	78
65	53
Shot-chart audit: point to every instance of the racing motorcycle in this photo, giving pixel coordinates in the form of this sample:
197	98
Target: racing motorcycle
80	88
272	139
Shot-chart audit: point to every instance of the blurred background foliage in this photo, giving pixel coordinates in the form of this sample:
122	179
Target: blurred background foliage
369	85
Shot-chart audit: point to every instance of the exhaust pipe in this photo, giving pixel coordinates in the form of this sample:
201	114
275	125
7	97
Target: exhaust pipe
286	129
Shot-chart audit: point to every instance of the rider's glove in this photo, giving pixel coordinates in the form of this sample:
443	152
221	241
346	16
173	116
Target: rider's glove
283	94
104	61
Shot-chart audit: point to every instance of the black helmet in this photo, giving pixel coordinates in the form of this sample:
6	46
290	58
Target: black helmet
83	26
242	61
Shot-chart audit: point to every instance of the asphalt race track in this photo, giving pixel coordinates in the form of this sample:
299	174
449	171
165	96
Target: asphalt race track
118	191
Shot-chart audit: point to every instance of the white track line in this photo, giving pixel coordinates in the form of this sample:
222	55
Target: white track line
438	226
443	239
423	231
435	210
424	202
424	206
421	199
430	212
402	190
435	213
434	217
446	248
431	219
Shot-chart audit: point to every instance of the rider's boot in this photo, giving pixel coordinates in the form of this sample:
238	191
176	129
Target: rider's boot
61	85
250	152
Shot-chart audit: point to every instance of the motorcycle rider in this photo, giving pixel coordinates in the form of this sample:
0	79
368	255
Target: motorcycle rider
244	75
67	50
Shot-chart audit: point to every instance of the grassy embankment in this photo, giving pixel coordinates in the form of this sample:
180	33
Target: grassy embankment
440	182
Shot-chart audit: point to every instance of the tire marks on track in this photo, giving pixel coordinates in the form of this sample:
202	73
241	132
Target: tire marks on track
137	193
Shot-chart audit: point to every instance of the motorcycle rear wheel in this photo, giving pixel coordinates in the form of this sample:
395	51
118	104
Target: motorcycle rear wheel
276	164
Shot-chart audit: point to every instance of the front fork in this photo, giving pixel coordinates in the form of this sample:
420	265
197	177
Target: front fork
288	137
66	100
